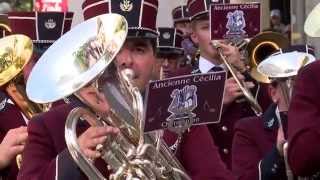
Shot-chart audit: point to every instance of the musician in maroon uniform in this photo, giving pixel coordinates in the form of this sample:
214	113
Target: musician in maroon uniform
181	21
258	142
13	130
209	60
169	53
256	149
13	135
304	118
46	155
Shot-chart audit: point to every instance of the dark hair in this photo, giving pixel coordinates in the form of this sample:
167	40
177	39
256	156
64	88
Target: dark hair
168	55
274	84
143	40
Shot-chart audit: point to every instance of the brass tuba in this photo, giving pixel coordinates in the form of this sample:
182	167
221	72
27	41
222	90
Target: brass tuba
262	46
15	53
81	57
283	67
5	28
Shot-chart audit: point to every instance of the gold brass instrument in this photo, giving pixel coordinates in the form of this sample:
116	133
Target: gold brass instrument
81	57
283	67
262	46
15	53
246	92
6	28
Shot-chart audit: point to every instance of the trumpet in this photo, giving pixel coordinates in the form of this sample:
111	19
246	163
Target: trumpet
131	154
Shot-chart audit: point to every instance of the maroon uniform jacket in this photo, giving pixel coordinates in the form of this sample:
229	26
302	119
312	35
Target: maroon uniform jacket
222	132
254	153
304	122
46	155
10	118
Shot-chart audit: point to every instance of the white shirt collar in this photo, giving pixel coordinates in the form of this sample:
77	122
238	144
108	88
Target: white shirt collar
24	117
205	65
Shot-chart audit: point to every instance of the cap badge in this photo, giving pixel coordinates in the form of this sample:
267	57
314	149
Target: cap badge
270	123
50	24
126	5
166	35
3	104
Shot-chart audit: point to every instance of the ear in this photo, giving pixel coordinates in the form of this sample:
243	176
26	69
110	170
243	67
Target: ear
194	36
272	91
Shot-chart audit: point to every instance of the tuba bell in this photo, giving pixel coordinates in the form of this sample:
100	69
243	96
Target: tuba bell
83	57
15	53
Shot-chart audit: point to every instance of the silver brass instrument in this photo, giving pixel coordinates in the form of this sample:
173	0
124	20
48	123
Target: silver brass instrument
283	67
246	92
311	25
15	53
81	57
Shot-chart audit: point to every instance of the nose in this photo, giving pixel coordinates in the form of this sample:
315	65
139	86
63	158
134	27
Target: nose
165	62
124	59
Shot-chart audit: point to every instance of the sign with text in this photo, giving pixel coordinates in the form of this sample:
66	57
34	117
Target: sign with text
51	5
177	103
229	21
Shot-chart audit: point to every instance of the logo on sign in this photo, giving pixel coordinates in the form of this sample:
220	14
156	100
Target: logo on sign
184	101
236	23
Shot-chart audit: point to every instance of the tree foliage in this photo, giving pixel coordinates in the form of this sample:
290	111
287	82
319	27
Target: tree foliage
20	5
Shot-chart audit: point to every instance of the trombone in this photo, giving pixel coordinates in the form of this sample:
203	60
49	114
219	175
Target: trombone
246	92
258	48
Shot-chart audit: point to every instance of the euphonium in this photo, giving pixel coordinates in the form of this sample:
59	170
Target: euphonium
15	53
283	67
81	57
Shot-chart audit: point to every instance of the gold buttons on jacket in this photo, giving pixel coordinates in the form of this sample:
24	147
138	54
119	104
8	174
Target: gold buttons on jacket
225	151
